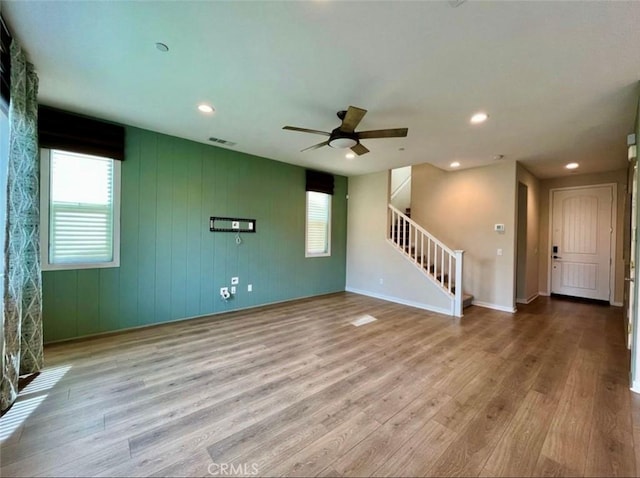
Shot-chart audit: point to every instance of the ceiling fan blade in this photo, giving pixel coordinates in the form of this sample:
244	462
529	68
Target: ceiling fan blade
359	149
352	119
384	133
315	146
305	130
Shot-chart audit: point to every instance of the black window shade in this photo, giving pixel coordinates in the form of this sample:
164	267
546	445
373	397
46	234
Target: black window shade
5	63
319	182
59	129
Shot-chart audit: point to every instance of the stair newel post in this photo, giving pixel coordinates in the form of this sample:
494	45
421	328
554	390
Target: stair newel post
457	302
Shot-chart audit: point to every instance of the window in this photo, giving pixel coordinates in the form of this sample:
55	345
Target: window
318	234
80	211
4	171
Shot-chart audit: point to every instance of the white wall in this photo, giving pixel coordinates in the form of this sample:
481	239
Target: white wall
402	200
460	208
371	259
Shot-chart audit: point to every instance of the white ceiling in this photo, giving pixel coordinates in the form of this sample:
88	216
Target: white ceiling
559	80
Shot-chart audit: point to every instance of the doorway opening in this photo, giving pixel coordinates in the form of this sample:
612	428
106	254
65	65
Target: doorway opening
521	244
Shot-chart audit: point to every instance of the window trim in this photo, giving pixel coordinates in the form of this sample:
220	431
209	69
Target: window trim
45	169
308	254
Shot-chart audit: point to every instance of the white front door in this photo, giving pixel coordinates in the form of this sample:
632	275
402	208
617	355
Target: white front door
581	242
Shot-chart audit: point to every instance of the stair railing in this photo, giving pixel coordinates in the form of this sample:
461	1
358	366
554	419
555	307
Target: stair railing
439	262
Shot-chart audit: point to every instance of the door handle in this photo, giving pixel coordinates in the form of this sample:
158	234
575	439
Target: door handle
556	257
628	279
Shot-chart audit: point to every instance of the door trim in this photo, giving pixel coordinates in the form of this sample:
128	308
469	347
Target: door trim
614	227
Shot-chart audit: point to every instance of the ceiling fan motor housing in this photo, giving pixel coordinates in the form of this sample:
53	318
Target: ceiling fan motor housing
341	139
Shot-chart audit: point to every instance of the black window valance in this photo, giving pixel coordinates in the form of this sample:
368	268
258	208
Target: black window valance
5	62
319	182
59	129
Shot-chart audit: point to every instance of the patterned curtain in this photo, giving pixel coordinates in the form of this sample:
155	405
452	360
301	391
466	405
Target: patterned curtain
22	342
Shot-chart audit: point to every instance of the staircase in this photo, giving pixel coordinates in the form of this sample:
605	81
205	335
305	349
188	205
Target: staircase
439	263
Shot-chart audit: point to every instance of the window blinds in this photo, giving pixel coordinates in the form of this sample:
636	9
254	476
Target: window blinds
81	208
318	217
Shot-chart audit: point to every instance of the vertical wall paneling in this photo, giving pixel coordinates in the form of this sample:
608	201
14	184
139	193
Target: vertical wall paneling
207	259
88	308
172	266
164	223
179	215
109	300
147	197
197	222
129	220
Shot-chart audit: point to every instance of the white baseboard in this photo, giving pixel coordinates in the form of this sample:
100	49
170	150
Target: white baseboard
616	304
529	300
397	300
635	386
544	293
488	305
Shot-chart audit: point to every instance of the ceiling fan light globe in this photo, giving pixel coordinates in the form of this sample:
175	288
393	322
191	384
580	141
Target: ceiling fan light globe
342	143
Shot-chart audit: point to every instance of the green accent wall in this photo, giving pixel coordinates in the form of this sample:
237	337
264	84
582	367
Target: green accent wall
172	266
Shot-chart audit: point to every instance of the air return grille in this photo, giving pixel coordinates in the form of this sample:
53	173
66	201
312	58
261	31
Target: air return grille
222	141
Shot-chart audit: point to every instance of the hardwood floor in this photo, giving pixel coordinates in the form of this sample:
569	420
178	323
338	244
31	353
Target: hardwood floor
295	389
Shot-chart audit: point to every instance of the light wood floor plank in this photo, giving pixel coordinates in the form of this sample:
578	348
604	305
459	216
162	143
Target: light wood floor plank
295	389
567	441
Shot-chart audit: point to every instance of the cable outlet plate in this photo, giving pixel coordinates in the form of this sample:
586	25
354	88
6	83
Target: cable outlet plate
234	281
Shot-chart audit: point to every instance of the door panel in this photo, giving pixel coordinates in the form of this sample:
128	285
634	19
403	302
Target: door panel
581	242
631	257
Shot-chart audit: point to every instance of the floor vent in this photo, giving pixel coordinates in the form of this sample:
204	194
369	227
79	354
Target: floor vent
365	319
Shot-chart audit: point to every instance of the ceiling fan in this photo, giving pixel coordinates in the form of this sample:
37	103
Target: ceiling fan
345	136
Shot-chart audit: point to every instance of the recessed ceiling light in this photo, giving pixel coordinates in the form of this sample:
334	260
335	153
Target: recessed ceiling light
455	164
162	47
479	117
572	165
350	156
205	108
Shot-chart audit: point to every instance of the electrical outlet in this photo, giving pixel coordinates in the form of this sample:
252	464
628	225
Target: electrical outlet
224	290
234	281
235	224
250	288
233	289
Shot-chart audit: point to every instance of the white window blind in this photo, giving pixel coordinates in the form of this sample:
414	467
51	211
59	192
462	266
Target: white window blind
318	224
81	210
